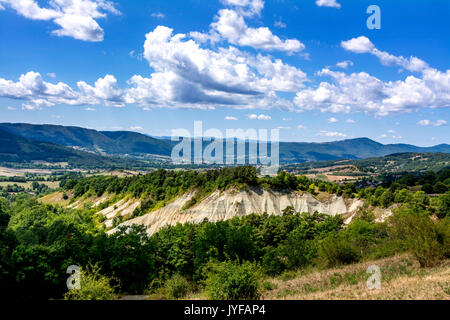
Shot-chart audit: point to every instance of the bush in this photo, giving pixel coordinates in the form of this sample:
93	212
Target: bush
336	250
428	240
232	281
93	286
176	287
272	263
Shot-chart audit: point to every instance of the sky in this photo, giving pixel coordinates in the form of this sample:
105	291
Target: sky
311	68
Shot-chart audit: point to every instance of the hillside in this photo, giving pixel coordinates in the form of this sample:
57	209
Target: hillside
16	149
402	278
126	142
359	148
116	142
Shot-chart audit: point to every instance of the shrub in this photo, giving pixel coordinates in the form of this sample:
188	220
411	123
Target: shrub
176	287
336	250
93	286
272	263
232	281
428	240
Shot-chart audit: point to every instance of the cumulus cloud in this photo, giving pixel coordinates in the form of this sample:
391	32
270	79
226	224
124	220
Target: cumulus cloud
350	121
362	44
75	18
300	126
332	120
38	93
158	15
187	73
363	92
230	118
332	134
259	117
344	64
232	27
246	7
436	123
328	3
279	24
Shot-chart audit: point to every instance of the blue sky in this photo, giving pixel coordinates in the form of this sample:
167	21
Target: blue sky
311	68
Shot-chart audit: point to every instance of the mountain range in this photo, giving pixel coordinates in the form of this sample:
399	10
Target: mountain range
21	141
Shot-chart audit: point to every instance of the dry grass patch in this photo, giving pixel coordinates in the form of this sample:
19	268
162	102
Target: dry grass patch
401	278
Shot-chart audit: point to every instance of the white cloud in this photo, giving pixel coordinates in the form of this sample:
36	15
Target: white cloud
397	137
212	37
328	3
344	64
437	123
284	127
279	24
158	15
2	7
332	134
76	19
186	73
332	120
11	108
391	131
363	92
363	45
230	118
105	89
136	128
287	119
359	45
246	7
259	117
383	136
350	121
440	123
232	27
51	75
90	109
300	126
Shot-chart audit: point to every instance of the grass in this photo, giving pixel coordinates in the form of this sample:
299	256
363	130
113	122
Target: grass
401	278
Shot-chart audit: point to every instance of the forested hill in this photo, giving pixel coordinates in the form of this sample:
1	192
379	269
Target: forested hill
16	149
111	142
126	142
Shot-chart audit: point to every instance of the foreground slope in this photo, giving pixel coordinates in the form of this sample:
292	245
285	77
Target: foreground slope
401	278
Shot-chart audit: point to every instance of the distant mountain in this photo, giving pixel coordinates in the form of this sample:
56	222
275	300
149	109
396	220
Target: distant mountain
126	142
18	149
110	142
360	148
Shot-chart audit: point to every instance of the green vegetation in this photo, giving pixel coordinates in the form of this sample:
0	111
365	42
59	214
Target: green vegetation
225	259
233	281
93	286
